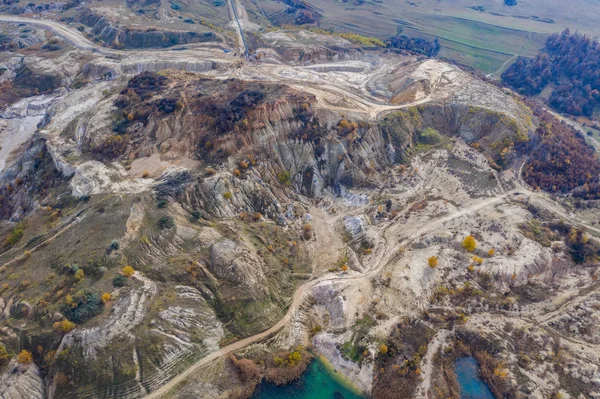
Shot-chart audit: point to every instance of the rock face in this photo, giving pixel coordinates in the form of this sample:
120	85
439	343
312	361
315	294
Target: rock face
232	262
37	168
127	314
21	382
129	38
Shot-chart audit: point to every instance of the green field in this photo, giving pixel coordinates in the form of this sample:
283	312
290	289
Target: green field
481	34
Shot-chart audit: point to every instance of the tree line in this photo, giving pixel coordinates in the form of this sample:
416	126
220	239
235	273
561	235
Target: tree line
569	63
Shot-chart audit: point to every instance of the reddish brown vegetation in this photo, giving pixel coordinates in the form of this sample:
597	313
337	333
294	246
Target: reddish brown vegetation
562	161
569	61
398	369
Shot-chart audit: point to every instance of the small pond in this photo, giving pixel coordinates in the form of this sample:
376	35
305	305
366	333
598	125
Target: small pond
317	382
471	385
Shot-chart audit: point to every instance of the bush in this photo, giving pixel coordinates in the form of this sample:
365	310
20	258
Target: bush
128	271
307	231
15	235
383	349
165	222
4	354
432	262
64	326
25	357
79	275
284	178
469	243
119	281
86	305
430	136
196	215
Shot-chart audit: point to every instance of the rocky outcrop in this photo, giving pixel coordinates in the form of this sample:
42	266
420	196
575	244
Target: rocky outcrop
32	174
129	38
232	262
21	381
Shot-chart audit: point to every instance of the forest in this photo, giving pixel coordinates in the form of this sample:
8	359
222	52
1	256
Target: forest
561	161
569	63
414	44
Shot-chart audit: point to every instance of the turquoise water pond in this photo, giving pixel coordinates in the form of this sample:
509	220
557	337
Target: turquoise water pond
471	385
316	383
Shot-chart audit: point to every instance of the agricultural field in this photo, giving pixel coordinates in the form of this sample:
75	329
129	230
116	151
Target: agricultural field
483	35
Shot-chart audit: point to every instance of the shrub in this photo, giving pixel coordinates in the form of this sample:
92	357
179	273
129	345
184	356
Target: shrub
119	281
166	222
469	243
114	245
430	136
86	305
284	178
307	231
15	235
432	262
362	40
128	271
228	195
64	326
4	354
25	357
196	215
79	275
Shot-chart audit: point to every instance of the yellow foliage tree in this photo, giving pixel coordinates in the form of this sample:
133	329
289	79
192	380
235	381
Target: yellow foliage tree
491	252
25	357
383	349
79	275
106	297
64	326
344	268
4	354
432	262
128	271
477	260
469	243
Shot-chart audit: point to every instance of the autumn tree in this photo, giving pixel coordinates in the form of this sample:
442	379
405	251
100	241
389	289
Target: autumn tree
79	275
128	271
4	354
307	231
383	349
432	262
24	357
469	243
64	326
106	297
